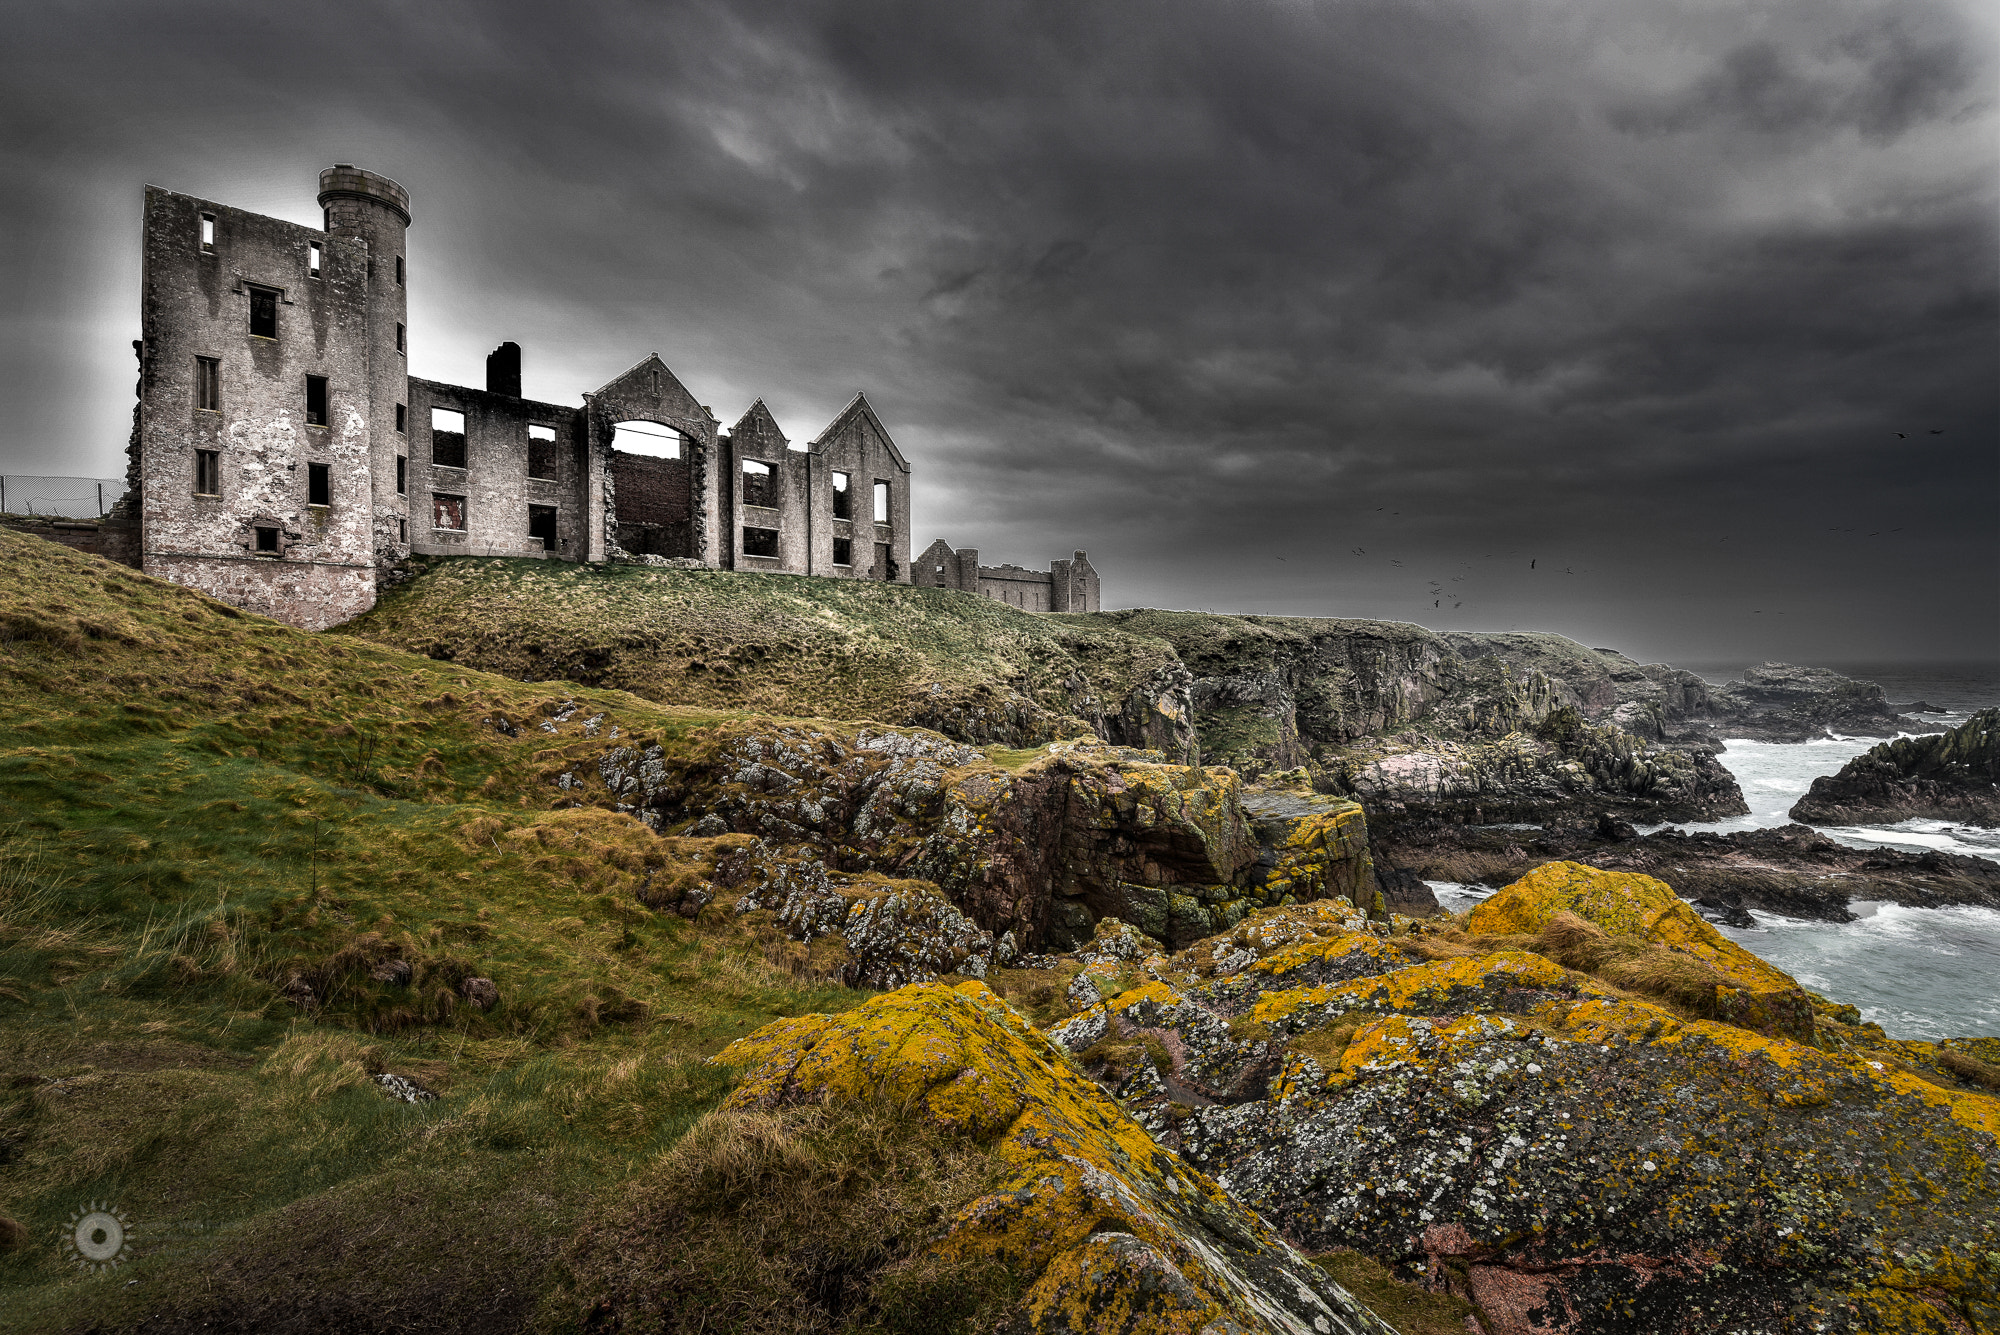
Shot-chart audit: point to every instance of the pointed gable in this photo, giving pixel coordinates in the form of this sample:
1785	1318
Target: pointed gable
858	420
758	430
651	392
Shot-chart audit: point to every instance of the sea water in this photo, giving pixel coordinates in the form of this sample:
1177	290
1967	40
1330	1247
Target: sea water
1919	973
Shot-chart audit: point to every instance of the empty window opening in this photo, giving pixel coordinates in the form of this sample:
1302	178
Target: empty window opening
315	400
399	336
843	496
263	312
319	484
402	418
448	512
447	438
267	539
208	233
760	542
758	488
543	459
661	442
542	524
314	257
402	475
399	271
208	384
843	551
402	530
885	565
881	502
208	472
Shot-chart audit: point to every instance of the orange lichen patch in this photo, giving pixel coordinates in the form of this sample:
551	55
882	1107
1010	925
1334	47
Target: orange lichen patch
1448	984
1627	904
1154	991
1599	1019
1114	1232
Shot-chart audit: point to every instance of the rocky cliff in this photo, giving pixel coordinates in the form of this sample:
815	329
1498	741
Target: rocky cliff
1944	776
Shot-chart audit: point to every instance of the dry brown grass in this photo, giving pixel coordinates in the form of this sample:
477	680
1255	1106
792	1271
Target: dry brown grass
1970	1069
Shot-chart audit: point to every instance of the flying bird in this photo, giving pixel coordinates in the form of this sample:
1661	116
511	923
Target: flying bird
1900	435
1531	565
1937	431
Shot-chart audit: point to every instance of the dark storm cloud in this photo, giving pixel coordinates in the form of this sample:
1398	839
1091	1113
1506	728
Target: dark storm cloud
1222	292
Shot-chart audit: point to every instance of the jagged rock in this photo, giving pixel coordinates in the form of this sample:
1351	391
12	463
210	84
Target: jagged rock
1083	831
1109	1231
1777	702
1566	768
396	973
403	1089
894	932
1943	776
480	992
1561	1153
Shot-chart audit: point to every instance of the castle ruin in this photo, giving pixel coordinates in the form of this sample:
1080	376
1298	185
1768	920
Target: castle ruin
286	461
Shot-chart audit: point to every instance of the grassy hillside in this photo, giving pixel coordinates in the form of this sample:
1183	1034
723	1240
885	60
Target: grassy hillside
782	644
243	869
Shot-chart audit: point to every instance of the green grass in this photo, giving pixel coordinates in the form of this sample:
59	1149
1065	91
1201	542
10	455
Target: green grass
214	831
795	645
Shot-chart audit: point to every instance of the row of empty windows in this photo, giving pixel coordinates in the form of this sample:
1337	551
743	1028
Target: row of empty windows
315	252
764	542
760	488
448	444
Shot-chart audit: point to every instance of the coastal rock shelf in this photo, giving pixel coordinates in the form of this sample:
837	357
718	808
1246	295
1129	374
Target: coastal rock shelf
1951	776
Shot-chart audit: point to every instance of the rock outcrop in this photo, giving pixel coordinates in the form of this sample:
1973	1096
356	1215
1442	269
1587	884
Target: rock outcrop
1102	1228
1491	1117
1944	776
1079	831
1791	870
1565	768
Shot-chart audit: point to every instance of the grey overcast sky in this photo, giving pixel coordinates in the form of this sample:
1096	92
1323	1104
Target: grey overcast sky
1669	325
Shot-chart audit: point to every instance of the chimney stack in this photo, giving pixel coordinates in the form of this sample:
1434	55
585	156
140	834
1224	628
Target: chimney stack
503	370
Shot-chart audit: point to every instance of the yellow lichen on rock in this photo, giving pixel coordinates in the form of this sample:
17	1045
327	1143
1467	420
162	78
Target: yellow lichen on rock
1448	984
1623	904
1114	1232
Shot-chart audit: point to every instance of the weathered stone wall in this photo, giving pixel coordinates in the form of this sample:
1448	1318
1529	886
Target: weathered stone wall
1016	586
109	538
495	481
197	303
312	595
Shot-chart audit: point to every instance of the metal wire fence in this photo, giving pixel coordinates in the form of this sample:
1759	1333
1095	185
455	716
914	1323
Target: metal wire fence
68	497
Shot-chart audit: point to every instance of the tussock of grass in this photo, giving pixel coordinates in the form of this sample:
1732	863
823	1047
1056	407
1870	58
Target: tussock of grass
1410	1307
801	1221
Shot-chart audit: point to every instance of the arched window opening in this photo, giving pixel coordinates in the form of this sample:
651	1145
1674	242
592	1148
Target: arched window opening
650	438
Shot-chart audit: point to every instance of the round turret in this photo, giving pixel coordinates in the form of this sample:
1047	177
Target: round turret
344	181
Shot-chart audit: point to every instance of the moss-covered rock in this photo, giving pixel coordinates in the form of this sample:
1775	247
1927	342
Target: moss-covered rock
1104	1230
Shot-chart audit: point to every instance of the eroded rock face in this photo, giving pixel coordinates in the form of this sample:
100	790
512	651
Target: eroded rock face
1108	1231
1082	832
1951	775
1565	768
1561	1153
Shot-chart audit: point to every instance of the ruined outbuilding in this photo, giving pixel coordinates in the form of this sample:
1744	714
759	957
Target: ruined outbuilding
285	460
1066	586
